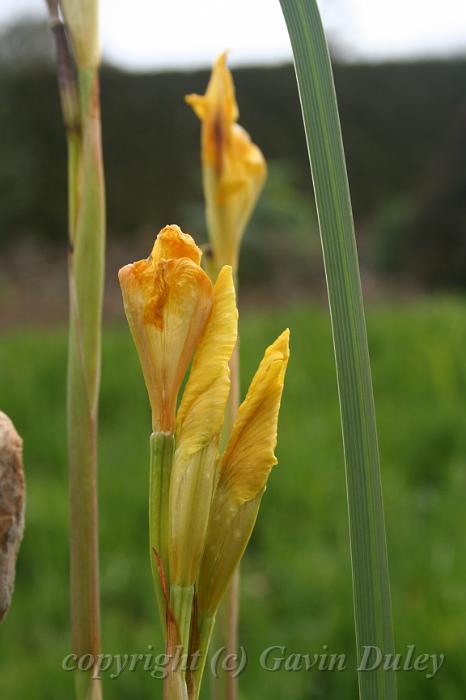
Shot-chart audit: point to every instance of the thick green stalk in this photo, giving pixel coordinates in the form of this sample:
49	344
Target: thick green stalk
86	276
162	446
181	603
371	590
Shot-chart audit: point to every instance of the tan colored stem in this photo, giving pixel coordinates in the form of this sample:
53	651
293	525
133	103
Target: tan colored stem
79	95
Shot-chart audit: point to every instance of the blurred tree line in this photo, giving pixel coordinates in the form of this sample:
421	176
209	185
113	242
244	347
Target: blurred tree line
404	129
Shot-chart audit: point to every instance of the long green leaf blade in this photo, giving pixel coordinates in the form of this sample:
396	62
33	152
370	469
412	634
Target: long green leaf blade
371	587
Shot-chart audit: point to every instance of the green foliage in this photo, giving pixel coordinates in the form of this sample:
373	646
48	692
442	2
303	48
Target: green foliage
296	575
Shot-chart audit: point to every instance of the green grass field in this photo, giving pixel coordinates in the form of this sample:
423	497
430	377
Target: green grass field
296	588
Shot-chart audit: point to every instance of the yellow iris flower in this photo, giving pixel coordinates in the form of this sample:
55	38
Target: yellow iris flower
207	504
167	299
234	168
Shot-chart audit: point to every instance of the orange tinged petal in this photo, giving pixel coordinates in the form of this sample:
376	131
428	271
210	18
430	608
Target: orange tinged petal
167	300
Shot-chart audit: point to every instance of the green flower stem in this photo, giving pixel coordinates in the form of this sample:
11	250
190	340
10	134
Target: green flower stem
181	603
162	446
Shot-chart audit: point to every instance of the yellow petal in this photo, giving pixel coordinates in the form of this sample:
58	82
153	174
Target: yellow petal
201	412
234	168
199	422
167	300
249	455
246	169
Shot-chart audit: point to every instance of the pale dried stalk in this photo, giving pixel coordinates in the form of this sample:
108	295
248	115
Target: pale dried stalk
79	93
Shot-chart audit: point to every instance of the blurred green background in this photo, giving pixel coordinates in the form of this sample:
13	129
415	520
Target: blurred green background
296	589
404	128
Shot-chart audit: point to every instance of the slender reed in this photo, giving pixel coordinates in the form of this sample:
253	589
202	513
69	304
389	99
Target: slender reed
78	62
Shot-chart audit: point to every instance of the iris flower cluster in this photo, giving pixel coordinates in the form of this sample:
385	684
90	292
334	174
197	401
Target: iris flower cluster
204	499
